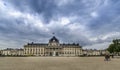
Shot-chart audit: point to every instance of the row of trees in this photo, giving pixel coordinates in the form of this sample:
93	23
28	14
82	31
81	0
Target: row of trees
114	48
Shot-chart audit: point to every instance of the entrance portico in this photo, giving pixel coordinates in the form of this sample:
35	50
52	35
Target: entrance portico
53	51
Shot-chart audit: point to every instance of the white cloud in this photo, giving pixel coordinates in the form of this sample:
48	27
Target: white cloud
15	14
94	14
111	35
63	2
2	4
99	46
77	26
64	21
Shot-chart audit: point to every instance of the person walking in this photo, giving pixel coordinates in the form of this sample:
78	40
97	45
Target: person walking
107	57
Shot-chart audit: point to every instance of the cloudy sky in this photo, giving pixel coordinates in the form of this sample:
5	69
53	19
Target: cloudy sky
91	23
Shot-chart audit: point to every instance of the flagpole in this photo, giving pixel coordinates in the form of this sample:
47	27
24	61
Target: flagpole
53	34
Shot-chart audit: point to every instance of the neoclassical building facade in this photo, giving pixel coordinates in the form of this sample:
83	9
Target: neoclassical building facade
52	48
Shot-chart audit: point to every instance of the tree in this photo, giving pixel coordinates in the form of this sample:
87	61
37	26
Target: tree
115	47
111	48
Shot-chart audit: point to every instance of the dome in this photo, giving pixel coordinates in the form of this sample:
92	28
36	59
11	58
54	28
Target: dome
53	39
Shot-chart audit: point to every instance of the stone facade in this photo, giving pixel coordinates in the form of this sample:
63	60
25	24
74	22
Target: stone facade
12	52
53	48
93	52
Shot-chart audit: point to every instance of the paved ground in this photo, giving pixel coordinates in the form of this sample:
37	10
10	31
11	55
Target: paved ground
58	63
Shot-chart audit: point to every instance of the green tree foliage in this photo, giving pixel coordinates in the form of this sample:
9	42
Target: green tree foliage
111	48
114	47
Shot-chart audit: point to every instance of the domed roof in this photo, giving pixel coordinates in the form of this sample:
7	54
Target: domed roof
53	39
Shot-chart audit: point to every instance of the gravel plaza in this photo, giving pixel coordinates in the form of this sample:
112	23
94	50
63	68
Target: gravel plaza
58	63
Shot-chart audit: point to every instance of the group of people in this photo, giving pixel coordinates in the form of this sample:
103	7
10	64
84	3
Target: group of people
107	57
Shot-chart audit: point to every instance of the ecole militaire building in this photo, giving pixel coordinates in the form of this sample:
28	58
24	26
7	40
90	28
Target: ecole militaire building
52	48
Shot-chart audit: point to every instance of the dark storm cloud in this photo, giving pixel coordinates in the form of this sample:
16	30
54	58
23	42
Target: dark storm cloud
88	22
52	8
108	19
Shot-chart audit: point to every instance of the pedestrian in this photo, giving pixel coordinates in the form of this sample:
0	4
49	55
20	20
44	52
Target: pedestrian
107	57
